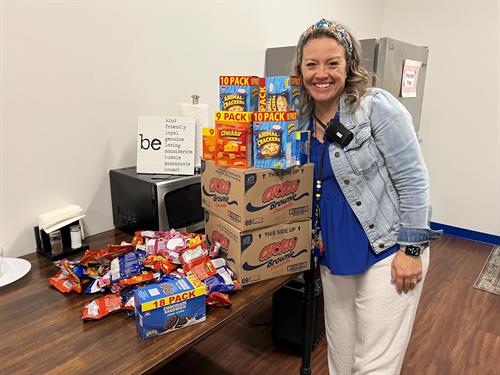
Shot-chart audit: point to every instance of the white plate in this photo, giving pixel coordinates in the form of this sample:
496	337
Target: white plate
13	269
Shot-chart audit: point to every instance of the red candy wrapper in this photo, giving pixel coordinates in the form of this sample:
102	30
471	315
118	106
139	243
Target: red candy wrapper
218	299
101	307
201	267
158	263
143	277
61	282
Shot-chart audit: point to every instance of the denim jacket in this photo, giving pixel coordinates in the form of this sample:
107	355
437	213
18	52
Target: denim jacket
382	172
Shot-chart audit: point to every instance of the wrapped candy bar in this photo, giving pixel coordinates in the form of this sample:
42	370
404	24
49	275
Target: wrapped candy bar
201	267
218	299
143	277
158	263
102	306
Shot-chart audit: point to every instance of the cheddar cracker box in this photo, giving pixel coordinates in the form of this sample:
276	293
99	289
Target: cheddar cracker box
169	305
239	93
233	136
263	253
255	198
274	144
209	143
280	93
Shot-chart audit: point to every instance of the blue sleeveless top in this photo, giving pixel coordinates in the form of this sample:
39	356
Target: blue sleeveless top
347	250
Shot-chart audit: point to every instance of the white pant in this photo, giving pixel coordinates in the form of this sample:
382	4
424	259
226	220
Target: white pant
368	324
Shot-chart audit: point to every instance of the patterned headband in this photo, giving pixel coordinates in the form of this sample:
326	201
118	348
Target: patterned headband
336	29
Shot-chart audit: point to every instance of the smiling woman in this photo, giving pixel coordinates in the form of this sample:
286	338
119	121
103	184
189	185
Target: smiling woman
371	200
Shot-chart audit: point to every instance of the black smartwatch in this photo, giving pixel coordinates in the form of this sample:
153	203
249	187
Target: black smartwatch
415	250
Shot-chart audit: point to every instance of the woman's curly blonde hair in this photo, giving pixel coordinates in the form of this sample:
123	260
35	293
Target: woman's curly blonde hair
358	79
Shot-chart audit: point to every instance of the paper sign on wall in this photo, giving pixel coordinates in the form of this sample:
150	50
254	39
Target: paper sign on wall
410	78
165	145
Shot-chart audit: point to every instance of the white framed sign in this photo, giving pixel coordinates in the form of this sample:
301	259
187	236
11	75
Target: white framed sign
409	79
165	145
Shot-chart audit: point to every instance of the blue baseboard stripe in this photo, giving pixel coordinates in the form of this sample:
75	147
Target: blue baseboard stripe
472	235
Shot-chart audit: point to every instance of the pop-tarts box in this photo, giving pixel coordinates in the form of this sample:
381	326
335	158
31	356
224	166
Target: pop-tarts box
280	93
169	305
274	139
239	93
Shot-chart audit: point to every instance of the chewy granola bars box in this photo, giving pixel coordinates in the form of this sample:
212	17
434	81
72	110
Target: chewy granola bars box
239	93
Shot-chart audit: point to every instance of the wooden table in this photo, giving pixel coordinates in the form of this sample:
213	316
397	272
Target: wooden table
42	330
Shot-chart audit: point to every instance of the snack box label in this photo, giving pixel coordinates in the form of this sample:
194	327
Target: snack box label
263	253
169	305
239	93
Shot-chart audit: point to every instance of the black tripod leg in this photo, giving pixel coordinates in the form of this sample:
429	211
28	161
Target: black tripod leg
309	315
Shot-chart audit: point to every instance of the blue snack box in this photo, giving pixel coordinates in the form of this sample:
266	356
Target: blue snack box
169	306
274	144
239	93
282	93
302	146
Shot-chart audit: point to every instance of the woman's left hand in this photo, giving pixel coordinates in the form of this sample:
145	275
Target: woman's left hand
406	271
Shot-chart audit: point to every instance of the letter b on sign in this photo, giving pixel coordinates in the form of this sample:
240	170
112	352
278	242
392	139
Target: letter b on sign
146	144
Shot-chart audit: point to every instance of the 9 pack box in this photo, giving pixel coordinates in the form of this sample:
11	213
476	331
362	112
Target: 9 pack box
280	93
233	139
169	306
274	143
239	93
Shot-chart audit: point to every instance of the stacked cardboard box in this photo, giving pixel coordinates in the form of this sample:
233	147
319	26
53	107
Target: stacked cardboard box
261	217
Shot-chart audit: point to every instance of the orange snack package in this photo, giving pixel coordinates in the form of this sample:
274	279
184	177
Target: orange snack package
209	142
233	139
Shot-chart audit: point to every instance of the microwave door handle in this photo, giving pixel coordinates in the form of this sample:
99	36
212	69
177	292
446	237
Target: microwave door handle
154	204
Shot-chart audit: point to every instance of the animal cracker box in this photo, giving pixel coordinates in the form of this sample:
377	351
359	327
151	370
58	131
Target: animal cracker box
274	144
280	93
239	93
169	306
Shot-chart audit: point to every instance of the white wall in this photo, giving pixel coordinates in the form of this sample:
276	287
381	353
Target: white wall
460	123
76	75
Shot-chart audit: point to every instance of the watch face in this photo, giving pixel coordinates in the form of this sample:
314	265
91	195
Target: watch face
412	250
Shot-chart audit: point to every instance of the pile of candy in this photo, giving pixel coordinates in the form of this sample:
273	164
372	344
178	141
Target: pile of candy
151	257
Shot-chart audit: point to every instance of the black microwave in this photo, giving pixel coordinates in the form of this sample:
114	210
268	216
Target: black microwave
155	201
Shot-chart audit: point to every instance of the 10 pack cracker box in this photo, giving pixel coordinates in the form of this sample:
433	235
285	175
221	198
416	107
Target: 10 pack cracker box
169	306
239	93
280	93
263	253
255	198
275	144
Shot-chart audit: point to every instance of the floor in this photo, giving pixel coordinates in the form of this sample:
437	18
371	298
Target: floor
457	329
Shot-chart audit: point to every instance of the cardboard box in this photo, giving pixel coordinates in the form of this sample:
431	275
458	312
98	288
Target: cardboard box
233	134
256	198
239	93
169	306
263	253
274	144
280	93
